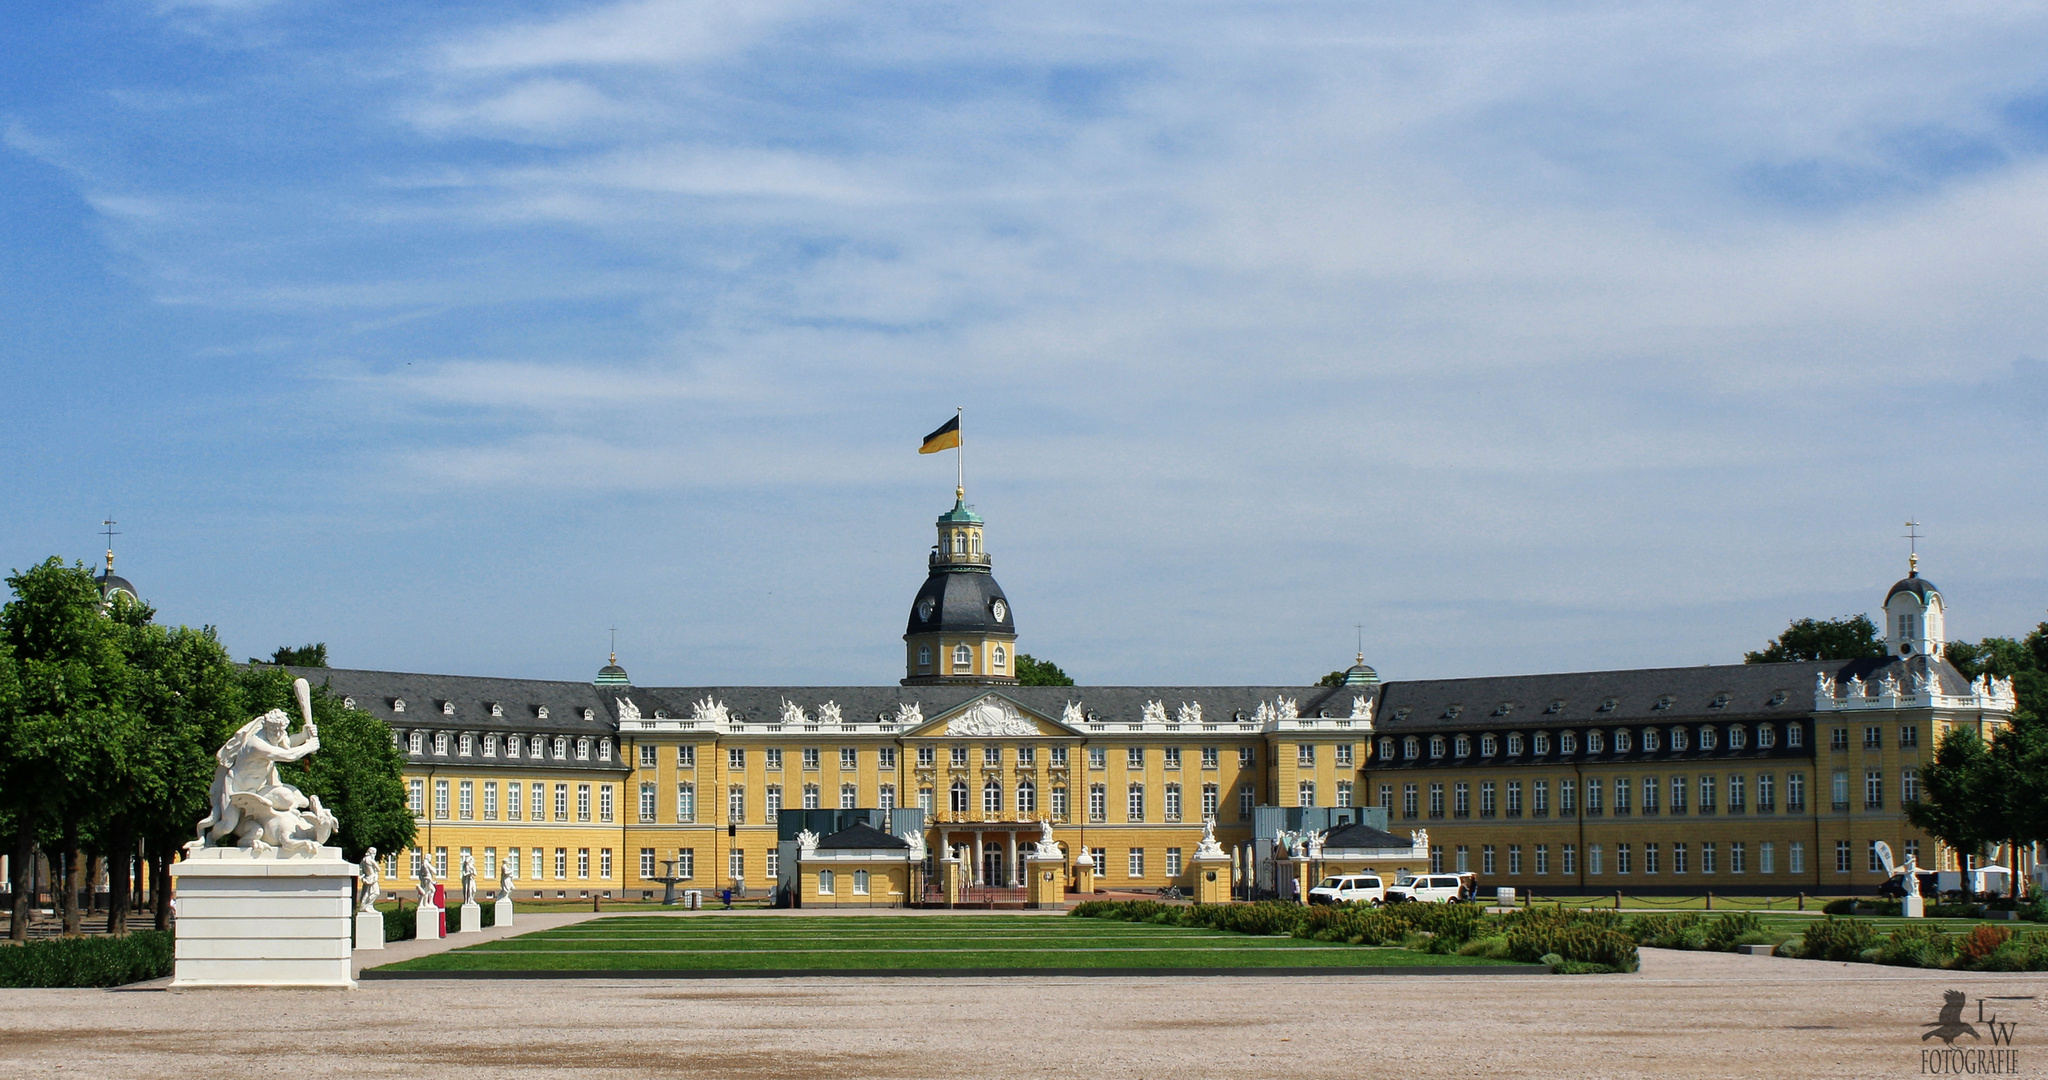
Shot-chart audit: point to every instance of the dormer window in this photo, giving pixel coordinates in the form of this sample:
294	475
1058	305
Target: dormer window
1649	740
348	703
497	709
1463	746
1720	702
661	714
1735	738
465	744
963	657
1780	697
1622	741
1795	735
490	746
1567	742
512	746
417	743
536	748
1386	749
1706	738
1504	708
441	743
1540	743
1678	738
1514	744
583	749
1411	748
561	747
447	708
1555	707
541	713
397	705
1488	745
1596	743
1451	712
589	715
1436	746
604	749
1663	702
1402	714
1766	736
1610	704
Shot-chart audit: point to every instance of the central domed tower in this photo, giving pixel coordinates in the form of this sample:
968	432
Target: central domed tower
961	627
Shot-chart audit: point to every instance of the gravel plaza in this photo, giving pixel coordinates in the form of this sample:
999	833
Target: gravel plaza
1684	1014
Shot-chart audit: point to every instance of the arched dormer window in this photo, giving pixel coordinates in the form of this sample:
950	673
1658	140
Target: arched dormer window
963	657
418	742
1002	658
465	744
1649	740
1736	739
1623	741
583	749
1678	738
1766	736
561	747
1567	742
1462	747
924	657
441	743
1387	748
397	705
1488	746
1706	738
1540	742
604	749
1436	746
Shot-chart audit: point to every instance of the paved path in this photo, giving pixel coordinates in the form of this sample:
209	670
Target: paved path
1703	1015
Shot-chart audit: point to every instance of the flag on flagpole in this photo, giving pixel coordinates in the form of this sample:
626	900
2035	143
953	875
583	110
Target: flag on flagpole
946	438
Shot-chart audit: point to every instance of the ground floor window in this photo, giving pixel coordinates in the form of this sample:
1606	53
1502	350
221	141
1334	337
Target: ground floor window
860	883
774	866
1569	859
582	862
604	863
1841	856
1486	859
1436	858
1766	857
1514	860
825	882
1678	858
736	865
646	863
1707	858
1173	862
686	862
1621	858
1593	860
1796	857
1543	858
1464	859
1738	857
1137	862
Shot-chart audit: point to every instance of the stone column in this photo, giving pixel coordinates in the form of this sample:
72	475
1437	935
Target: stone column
1014	868
978	874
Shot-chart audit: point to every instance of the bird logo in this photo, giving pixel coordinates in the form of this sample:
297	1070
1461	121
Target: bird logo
1950	1022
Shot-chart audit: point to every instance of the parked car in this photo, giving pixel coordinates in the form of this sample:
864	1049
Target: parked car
1894	888
1427	888
1349	889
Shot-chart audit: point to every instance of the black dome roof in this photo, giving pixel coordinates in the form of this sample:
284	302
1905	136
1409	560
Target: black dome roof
1915	584
956	602
110	583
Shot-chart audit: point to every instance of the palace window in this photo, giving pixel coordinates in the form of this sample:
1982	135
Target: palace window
1386	752
1737	798
1134	757
1059	757
1795	857
646	863
647	802
1650	741
536	748
1436	799
582	862
1246	799
1098	803
957	756
1909	736
992	755
1462	746
1708	855
1098	757
686	756
1873	790
1409	807
490	801
1136	865
849	797
1622	741
1488	746
1678	794
736	804
1134	804
441	799
886	757
1514	798
860	883
1486	803
1621	858
441	743
1211	796
1172	808
1486	859
1306	793
1677	741
583	749
1909	787
1002	658
490	746
686	803
1766	736
1210	757
417	742
1650	858
1461	799
1344	793
957	797
1411	748
1247	757
1738	857
1621	795
826	882
1027	799
1649	795
1305	755
583	802
1567	793
925	800
1707	785
515	797
1540	742
416	797
924	656
885	797
1172	757
1436	746
1543	859
604	753
1539	798
963	657
771	801
1514	745
1795	793
648	752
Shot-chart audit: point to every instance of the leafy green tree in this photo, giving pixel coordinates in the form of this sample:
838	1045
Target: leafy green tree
357	772
1035	672
65	725
1960	794
2024	661
1334	678
1849	637
314	655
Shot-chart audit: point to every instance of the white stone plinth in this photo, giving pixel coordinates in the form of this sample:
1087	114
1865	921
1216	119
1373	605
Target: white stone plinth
245	920
427	926
472	918
369	930
1913	907
501	915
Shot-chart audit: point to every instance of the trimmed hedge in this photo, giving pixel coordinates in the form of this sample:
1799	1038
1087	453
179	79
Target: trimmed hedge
88	961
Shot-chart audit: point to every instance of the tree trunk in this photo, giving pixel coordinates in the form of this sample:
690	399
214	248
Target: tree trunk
120	878
65	884
22	869
160	886
95	864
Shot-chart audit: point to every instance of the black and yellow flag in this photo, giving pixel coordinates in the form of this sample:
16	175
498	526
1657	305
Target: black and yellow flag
946	438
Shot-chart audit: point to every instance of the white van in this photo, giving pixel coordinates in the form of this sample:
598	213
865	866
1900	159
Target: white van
1429	889
1348	889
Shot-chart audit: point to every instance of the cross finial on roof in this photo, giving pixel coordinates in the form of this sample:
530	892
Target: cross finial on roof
110	534
615	645
1912	538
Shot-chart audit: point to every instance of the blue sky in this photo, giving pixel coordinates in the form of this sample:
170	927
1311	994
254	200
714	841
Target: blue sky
1532	337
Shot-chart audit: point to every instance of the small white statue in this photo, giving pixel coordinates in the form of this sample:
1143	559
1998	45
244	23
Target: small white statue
1190	712
1361	708
1421	848
1856	687
1208	848
915	838
1315	844
1912	875
1154	712
1823	690
710	710
1046	849
1072	716
1081	855
792	713
829	713
427	879
251	803
372	891
505	880
806	842
468	878
910	715
1890	686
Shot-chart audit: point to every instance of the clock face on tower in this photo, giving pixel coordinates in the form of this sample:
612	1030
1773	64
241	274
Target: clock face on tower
1001	609
924	609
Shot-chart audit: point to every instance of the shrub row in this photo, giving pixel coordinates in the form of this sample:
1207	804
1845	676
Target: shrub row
1928	945
90	961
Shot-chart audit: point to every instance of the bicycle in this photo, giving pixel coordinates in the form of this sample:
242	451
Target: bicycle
1171	893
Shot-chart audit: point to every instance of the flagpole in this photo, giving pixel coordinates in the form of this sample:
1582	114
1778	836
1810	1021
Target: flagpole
959	453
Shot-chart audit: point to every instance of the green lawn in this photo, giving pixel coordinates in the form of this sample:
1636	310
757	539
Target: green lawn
899	943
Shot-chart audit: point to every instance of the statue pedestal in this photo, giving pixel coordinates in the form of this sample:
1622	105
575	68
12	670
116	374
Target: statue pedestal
501	912
428	923
1046	881
952	880
369	930
270	921
472	918
1913	907
1084	877
1212	878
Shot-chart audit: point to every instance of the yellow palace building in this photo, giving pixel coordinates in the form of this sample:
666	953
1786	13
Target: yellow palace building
1770	778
